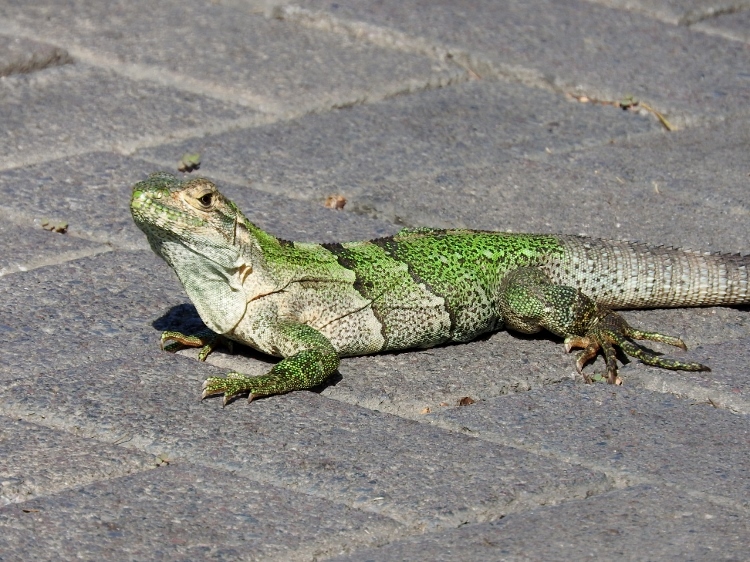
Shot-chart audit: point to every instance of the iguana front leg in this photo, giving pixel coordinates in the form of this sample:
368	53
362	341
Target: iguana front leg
309	359
529	301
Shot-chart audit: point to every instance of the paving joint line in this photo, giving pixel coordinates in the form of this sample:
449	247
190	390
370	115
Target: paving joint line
719	399
724	34
58	259
691	17
700	15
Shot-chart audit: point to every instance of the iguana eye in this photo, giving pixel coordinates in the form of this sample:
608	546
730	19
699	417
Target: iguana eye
206	199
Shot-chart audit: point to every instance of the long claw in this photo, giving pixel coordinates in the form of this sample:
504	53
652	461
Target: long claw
654	336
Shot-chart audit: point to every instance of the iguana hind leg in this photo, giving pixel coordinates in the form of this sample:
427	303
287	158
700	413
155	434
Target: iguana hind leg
529	301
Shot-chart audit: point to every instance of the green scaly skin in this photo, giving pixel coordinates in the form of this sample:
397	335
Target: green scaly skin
314	303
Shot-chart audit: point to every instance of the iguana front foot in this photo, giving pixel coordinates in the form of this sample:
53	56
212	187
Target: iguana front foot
230	386
607	330
207	340
306	368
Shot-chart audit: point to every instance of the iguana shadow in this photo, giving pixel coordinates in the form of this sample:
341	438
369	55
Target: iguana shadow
184	318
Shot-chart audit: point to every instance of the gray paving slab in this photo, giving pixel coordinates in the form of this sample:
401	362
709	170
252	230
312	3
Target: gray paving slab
574	46
471	124
91	193
679	12
726	386
301	441
631	434
267	64
39	461
185	512
21	56
77	108
706	165
644	523
36	247
80	311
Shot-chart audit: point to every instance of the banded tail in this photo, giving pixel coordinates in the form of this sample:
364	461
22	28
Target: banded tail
620	274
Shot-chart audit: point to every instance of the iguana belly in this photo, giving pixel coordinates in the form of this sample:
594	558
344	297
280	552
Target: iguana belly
354	324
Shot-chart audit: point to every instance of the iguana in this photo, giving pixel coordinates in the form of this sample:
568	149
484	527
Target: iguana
314	303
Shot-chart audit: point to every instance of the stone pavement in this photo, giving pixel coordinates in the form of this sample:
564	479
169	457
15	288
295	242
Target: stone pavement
490	114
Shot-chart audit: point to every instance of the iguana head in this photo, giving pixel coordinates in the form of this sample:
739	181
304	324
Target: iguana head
192	215
195	229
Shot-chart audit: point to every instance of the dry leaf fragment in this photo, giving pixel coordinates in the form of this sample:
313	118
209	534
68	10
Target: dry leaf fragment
190	161
425	411
335	202
55	226
161	459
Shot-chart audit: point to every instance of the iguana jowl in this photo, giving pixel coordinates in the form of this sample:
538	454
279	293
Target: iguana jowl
314	303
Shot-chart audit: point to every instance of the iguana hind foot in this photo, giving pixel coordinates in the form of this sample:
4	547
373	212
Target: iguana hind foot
530	301
608	330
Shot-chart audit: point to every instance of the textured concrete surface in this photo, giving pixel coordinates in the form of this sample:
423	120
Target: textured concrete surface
492	115
173	514
614	526
468	125
572	46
